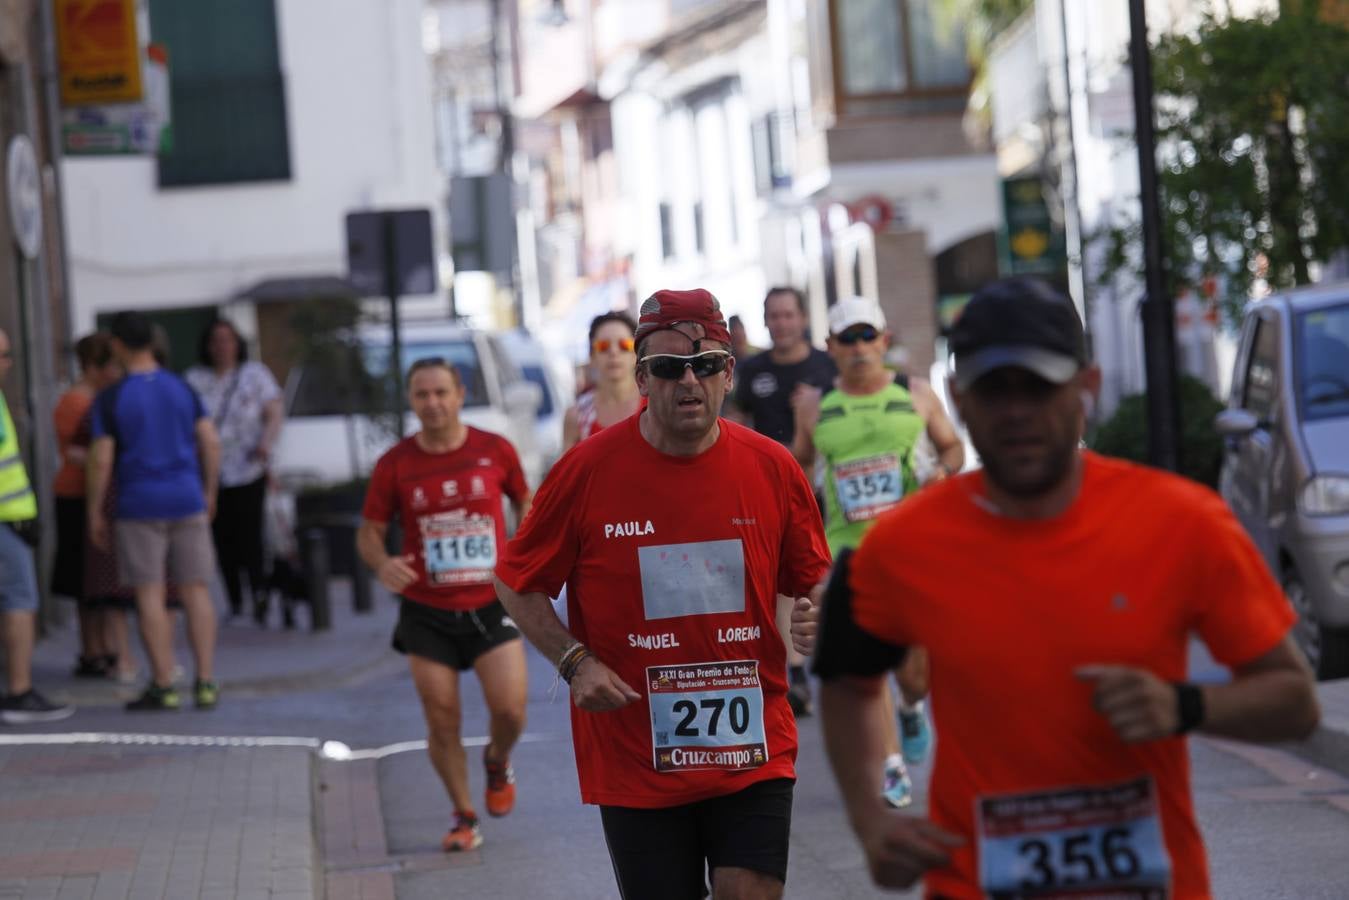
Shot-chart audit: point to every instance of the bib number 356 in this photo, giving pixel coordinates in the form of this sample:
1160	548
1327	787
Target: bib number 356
1105	840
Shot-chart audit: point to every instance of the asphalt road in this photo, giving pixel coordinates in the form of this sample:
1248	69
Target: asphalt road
1271	821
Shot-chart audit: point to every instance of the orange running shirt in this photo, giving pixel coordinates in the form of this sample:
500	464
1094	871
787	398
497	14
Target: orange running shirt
1008	609
673	566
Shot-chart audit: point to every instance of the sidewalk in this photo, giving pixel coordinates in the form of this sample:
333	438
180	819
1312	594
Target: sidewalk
250	661
99	815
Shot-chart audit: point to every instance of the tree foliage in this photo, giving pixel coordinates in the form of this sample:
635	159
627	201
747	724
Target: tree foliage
1125	434
1253	139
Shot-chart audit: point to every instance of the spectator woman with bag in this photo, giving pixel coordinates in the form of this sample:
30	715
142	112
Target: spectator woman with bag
244	401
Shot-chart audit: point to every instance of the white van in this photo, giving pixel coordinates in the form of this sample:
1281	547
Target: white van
331	437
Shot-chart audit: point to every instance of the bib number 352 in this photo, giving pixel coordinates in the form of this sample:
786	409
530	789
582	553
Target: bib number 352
1105	840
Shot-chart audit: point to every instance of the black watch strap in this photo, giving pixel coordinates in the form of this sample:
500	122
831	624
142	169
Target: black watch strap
1190	706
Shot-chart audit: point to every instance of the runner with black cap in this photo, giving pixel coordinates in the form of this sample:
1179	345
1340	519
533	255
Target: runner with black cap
1056	595
674	532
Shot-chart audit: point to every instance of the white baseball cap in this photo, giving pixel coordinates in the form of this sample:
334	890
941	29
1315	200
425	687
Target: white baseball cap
851	311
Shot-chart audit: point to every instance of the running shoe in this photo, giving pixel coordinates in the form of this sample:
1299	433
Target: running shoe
91	667
898	789
206	694
915	735
156	699
500	787
31	707
465	834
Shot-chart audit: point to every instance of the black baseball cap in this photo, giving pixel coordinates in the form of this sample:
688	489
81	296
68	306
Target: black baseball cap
1021	322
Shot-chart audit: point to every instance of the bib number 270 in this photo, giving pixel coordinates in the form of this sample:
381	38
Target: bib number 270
691	724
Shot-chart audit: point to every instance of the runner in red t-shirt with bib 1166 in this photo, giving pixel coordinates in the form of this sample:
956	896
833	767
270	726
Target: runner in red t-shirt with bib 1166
445	484
674	531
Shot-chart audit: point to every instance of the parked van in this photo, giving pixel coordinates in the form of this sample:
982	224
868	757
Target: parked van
335	433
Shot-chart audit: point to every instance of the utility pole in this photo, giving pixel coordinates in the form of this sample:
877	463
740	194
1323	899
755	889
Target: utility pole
1159	320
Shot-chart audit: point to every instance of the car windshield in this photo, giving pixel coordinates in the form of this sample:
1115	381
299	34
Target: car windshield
353	379
1323	362
459	352
534	374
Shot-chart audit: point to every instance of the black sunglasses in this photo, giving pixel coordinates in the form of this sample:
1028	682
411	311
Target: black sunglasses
671	367
866	334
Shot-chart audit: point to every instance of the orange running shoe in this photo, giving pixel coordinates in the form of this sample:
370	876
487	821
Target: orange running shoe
500	787
464	835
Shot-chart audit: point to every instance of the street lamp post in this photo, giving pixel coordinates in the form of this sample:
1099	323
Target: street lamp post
1159	336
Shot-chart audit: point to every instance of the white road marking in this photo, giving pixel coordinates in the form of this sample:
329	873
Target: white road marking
333	750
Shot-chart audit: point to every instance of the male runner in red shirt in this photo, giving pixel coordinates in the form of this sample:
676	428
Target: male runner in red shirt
446	484
674	532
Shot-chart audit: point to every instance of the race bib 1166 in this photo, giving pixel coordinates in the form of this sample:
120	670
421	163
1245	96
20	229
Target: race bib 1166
460	550
1101	842
706	716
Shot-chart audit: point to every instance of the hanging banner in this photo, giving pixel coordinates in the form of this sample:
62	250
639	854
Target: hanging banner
117	129
98	51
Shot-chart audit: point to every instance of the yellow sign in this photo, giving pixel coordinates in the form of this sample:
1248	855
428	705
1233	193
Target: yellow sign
98	50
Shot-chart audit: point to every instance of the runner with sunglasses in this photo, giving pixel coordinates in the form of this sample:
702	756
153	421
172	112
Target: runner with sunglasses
868	431
445	484
613	395
674	532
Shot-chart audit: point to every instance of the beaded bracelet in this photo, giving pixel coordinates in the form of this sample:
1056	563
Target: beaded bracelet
571	660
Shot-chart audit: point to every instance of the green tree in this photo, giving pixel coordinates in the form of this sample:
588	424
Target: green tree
1253	137
1125	434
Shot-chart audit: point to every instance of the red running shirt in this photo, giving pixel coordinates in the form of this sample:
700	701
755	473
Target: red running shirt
449	506
673	566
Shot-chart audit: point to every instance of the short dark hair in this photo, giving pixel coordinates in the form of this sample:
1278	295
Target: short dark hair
94	351
133	329
605	318
786	289
434	362
204	342
734	321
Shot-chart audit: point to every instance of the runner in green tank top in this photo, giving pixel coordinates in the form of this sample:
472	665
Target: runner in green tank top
870	433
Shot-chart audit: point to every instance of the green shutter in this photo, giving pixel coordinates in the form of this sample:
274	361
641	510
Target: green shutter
228	96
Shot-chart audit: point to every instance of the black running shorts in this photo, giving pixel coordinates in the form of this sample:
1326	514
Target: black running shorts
454	639
667	854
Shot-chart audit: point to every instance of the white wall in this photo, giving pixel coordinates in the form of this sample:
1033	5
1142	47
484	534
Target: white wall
360	129
668	152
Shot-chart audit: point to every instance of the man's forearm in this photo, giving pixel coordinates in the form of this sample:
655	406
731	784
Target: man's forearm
1269	706
370	545
533	614
803	448
97	475
851	720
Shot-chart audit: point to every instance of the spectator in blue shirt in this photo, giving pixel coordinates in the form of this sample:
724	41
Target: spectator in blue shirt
152	430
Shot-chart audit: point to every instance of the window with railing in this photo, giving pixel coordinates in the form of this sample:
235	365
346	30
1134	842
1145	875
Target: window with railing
227	92
897	54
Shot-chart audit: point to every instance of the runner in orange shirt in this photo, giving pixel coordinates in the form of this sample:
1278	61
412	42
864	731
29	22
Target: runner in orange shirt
1056	594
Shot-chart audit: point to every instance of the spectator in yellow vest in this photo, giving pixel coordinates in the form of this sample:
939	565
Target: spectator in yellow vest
22	705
